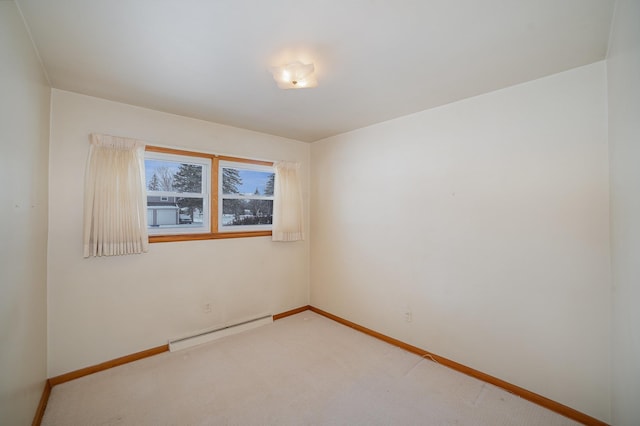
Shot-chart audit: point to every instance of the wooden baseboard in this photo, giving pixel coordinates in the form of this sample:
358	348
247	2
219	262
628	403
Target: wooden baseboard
53	381
107	365
291	312
516	390
37	419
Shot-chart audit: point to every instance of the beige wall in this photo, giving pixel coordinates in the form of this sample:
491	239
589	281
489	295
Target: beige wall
24	136
103	308
623	72
488	220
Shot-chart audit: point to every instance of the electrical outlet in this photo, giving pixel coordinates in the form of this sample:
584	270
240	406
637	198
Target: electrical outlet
206	308
408	316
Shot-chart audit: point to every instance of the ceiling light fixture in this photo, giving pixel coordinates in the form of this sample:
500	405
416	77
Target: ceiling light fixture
295	75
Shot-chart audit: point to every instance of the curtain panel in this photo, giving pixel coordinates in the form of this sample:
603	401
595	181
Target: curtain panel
115	208
287	205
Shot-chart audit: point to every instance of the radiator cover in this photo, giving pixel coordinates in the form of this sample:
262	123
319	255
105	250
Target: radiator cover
217	333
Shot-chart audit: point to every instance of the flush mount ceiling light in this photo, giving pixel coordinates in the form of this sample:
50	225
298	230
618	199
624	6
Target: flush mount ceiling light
295	75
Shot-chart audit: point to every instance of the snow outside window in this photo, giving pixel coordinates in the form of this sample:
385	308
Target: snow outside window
178	194
245	197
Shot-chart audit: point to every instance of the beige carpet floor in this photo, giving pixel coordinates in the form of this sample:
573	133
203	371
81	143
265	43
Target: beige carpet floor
301	370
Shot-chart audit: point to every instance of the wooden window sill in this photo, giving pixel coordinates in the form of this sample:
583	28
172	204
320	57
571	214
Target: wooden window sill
209	236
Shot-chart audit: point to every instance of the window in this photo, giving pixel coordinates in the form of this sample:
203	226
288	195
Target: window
177	193
195	196
246	196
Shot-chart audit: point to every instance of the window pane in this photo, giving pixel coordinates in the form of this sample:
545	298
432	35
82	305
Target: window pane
247	182
175	212
241	212
173	176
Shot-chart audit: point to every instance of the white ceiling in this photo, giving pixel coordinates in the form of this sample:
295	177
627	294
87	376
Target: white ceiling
375	59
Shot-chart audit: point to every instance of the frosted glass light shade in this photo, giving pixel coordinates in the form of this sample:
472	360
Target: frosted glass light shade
295	75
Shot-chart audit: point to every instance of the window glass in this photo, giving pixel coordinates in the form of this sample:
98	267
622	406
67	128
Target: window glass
246	201
177	193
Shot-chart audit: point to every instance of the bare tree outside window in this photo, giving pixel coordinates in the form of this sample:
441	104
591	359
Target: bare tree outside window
165	178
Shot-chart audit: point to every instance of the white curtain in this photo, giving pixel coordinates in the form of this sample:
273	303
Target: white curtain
287	205
115	208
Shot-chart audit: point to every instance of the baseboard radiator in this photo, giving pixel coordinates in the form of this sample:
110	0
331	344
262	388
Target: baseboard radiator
217	333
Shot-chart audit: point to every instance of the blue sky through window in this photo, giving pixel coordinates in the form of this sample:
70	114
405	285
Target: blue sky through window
150	167
251	180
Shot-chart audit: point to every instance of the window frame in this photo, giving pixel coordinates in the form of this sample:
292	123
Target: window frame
204	194
222	164
214	202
